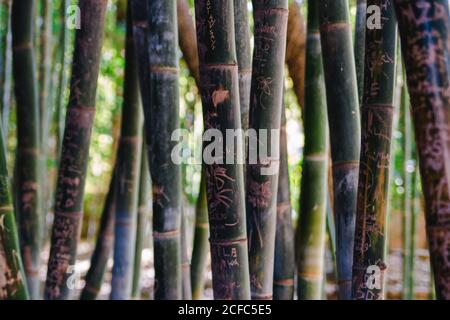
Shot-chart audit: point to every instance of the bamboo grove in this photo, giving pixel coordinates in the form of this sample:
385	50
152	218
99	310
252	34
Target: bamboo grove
224	149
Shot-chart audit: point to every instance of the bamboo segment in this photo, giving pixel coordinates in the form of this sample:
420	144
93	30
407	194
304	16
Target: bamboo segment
295	50
311	230
185	261
360	44
344	122
5	62
103	245
161	121
424	31
143	216
128	173
224	182
284	264
12	276
75	148
200	249
244	58
265	113
28	165
369	261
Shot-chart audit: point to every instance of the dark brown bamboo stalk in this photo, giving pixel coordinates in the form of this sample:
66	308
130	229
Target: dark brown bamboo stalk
265	114
128	175
224	181
28	162
369	262
360	44
75	147
344	123
103	245
284	264
424	27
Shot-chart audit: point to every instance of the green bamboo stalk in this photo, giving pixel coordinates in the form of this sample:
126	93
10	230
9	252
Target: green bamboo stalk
284	264
75	147
161	120
224	182
311	230
185	261
128	175
360	44
103	245
28	192
377	119
265	113
5	62
200	248
12	276
143	216
62	77
344	122
244	58
423	25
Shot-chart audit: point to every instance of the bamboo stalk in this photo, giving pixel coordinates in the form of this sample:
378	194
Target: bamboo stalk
424	26
12	276
128	175
224	182
265	113
377	119
103	245
344	123
284	264
5	62
244	58
312	221
143	216
185	261
28	191
161	120
75	147
360	44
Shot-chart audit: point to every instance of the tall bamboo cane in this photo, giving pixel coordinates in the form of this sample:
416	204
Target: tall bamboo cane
244	58
265	113
424	31
143	216
360	44
128	175
75	147
103	245
161	120
12	275
28	197
344	122
224	182
5	62
377	109
312	220
284	263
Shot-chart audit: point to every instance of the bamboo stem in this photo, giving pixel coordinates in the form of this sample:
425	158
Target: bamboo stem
360	44
5	62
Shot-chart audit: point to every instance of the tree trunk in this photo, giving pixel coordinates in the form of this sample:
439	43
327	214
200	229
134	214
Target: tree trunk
28	197
369	262
103	245
360	44
344	122
284	264
128	175
12	275
161	121
424	31
312	221
75	147
244	58
224	182
265	114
